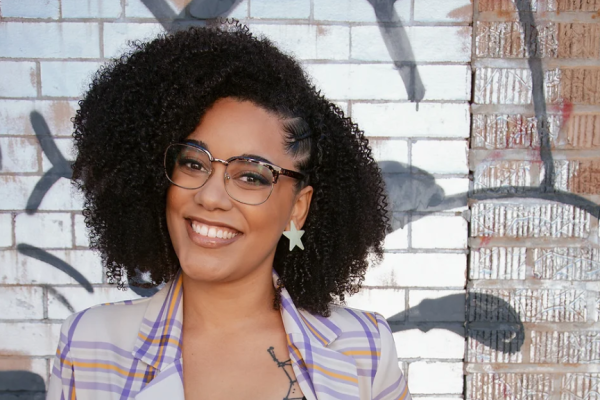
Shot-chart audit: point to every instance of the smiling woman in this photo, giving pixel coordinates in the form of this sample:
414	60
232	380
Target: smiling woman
209	161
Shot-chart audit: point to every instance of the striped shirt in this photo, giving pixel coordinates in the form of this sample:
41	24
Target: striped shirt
132	350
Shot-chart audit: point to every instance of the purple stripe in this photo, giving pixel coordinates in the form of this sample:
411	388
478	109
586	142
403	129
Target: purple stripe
290	309
383	322
390	389
335	393
100	386
80	344
333	354
164	375
374	358
127	389
164	344
325	321
147	344
173	321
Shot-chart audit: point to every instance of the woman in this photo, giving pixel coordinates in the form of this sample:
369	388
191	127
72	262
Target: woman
208	161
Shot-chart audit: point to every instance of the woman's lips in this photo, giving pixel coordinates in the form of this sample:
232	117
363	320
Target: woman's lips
211	236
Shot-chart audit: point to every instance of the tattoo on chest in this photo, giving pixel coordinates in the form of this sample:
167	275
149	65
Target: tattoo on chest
286	366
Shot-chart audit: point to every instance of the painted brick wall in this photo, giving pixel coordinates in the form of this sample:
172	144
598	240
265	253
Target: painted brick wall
425	83
534	155
362	55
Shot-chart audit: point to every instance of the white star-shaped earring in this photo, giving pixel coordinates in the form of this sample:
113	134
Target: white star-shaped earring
294	235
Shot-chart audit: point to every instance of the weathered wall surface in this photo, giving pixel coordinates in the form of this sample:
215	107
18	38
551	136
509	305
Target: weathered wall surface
535	148
517	80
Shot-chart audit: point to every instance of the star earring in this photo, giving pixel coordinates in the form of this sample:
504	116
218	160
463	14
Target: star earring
294	235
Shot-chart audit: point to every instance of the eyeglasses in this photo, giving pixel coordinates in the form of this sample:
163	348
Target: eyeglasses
247	180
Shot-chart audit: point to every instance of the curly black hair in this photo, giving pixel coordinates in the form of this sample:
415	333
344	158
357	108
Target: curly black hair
157	93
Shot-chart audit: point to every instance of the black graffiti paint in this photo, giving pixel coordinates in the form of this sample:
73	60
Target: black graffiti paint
22	385
484	314
44	256
399	48
61	168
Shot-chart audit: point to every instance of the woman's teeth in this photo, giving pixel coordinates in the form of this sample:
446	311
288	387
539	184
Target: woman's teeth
213	232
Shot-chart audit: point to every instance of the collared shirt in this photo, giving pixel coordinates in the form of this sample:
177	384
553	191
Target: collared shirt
132	350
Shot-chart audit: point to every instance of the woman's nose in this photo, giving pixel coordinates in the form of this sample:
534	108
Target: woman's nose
213	195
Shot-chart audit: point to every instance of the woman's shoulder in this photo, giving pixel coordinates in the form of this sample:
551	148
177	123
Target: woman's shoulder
107	322
355	320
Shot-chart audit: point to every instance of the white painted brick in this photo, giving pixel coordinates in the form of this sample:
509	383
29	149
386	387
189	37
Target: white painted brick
65	146
15	116
81	234
383	81
67	78
354	10
91	9
137	9
19	154
436	305
405	120
80	299
418	270
435	343
443	11
441	157
117	34
30	9
29	338
44	230
428	44
440	232
435	377
15	190
25	302
199	9
18	79
280	9
343	105
308	42
454	187
17	268
387	302
62	197
6	230
52	39
396	240
391	150
38	366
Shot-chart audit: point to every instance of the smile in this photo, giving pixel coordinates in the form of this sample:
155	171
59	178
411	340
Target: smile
213	231
211	236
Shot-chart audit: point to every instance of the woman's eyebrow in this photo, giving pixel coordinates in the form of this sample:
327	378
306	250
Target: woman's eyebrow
256	157
198	142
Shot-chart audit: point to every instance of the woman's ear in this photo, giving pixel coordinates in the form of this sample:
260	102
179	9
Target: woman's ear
301	207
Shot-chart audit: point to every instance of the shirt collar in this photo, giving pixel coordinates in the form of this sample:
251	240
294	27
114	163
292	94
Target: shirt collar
159	338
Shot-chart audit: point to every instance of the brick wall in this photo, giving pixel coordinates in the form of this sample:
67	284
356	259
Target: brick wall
424	81
534	140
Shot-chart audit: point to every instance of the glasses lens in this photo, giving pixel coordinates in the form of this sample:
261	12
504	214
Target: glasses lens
187	166
249	182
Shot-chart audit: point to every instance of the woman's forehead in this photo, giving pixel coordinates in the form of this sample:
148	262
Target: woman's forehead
232	128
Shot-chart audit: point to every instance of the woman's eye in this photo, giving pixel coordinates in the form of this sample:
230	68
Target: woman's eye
191	165
253	179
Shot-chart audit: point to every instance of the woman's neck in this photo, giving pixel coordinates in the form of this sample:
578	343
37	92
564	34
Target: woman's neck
228	307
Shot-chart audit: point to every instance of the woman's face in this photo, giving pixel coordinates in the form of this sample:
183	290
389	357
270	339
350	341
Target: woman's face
251	232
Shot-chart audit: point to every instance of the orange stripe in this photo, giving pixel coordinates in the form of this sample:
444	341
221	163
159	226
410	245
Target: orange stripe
147	339
403	395
372	318
333	374
298	355
107	367
313	330
178	286
362	353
